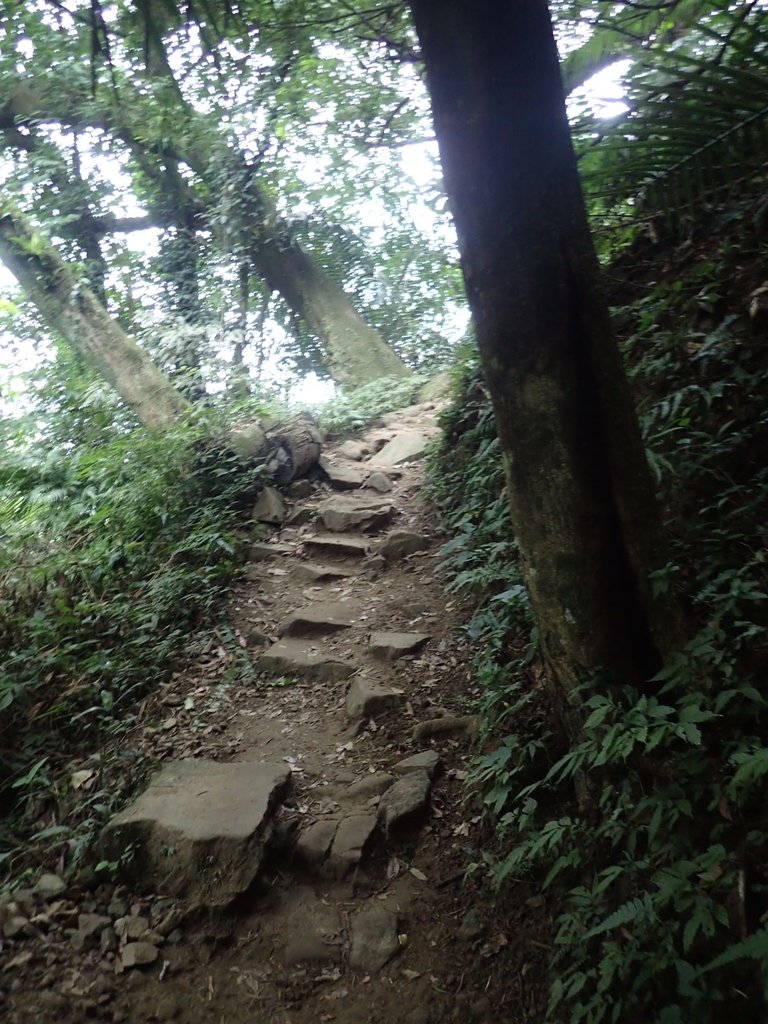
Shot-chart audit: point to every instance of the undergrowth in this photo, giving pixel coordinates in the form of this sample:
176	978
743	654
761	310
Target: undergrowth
114	554
662	878
358	408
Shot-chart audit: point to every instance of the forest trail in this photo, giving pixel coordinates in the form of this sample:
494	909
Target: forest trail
306	862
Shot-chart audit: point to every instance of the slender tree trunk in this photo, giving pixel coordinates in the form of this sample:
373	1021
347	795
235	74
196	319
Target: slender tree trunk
74	311
579	486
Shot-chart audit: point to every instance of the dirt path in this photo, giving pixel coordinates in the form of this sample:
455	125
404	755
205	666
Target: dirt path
355	730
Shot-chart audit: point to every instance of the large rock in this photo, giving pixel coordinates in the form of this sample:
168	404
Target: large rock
374	939
321	617
269	507
401	543
365	699
391	646
343	547
201	829
297	658
404	447
341	514
405	804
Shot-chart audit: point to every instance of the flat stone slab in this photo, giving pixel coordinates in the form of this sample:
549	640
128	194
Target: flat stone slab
316	573
425	761
406	446
201	829
321	617
374	939
352	547
401	543
296	657
405	804
341	514
343	476
365	699
349	843
391	646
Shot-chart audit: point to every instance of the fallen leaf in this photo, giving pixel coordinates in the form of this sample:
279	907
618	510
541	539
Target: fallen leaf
81	778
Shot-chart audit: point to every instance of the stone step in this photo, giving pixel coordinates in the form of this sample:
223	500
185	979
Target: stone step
316	573
333	847
261	551
366	700
320	617
351	547
406	446
391	646
299	658
201	829
355	513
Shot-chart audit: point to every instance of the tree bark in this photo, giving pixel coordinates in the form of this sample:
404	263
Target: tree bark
579	486
75	312
354	353
292	448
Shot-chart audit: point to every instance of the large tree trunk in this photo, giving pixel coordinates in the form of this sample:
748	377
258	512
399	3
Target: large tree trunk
75	312
354	353
579	486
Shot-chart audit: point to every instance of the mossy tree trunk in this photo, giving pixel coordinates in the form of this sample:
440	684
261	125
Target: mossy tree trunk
580	490
353	352
72	309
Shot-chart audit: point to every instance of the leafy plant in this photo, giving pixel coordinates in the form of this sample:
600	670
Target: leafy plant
650	831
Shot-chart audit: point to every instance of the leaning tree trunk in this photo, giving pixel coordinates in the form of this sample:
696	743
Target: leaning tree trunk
579	486
75	312
354	353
